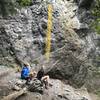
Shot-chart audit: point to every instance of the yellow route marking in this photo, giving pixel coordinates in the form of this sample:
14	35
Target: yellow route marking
49	29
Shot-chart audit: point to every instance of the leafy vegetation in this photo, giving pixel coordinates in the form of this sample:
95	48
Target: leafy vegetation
6	7
10	6
96	9
96	13
24	2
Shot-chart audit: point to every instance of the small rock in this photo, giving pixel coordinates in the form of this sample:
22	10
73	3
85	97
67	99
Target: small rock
17	88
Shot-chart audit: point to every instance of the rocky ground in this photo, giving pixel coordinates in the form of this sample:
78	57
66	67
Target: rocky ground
57	91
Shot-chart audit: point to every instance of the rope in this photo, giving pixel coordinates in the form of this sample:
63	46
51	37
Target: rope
49	29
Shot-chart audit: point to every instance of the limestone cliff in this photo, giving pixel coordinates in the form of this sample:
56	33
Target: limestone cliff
22	38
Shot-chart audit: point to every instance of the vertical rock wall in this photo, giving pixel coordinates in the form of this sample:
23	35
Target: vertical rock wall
22	38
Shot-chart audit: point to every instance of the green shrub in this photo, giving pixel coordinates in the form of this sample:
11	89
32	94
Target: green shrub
96	14
24	2
8	7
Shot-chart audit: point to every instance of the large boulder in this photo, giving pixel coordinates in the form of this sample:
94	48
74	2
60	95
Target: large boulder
22	38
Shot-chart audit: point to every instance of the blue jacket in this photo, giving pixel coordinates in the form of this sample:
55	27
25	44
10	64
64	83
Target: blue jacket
25	72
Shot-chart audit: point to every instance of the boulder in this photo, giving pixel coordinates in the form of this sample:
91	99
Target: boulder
36	86
22	38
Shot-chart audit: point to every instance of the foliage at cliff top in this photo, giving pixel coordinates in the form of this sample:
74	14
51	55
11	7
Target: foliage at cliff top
9	6
96	13
24	2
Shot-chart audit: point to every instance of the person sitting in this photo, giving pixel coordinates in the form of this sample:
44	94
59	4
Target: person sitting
25	71
42	77
27	74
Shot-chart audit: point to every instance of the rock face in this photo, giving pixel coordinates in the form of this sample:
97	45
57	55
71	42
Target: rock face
22	38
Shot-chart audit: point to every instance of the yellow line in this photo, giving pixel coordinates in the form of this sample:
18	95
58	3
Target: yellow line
49	29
